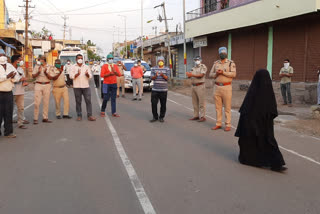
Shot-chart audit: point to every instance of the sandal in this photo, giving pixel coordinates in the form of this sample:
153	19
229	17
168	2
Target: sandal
103	114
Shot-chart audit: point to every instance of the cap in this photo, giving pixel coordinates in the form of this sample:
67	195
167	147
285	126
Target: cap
223	50
160	58
197	58
110	56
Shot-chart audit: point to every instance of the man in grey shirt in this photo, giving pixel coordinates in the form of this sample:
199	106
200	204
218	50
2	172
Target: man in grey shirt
286	73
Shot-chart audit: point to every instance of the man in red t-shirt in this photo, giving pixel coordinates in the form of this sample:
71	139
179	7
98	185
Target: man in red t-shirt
136	74
109	72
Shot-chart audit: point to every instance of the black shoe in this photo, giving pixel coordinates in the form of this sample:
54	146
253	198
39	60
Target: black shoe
161	120
134	99
153	120
59	117
279	169
139	99
67	117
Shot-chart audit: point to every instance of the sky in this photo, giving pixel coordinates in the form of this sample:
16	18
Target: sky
101	20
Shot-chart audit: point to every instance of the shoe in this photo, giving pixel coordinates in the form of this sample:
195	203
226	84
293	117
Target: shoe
46	121
22	127
227	129
79	118
153	120
102	114
91	118
59	117
195	118
134	99
118	96
161	120
115	115
290	105
284	104
279	169
67	117
202	119
11	136
35	122
25	122
216	128
123	96
139	99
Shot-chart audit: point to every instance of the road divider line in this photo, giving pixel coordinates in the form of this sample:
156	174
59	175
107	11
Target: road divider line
25	108
134	179
283	148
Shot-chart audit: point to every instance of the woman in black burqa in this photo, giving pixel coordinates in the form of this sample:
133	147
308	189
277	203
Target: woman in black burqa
258	147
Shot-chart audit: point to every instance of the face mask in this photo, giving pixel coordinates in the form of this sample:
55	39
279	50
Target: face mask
68	63
38	63
110	61
198	62
119	64
58	65
161	64
3	60
286	65
223	56
135	65
80	61
21	63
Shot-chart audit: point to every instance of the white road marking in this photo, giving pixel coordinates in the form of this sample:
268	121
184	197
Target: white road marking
135	181
287	150
24	109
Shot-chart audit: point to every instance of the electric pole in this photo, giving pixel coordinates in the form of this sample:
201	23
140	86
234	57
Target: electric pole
184	39
64	28
125	34
26	45
141	29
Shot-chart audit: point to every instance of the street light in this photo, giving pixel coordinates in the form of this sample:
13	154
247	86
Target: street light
125	32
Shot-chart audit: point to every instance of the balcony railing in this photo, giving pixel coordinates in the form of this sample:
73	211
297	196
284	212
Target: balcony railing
201	11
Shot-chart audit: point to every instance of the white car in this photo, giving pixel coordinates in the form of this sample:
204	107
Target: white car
147	82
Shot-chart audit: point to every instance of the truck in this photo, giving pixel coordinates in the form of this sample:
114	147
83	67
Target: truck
70	53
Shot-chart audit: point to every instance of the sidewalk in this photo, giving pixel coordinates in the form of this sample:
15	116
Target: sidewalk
298	118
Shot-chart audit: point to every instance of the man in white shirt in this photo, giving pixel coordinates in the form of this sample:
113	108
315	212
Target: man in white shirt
81	74
7	78
18	91
96	69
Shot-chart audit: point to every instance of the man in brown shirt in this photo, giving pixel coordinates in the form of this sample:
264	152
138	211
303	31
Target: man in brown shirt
223	71
60	90
42	90
198	76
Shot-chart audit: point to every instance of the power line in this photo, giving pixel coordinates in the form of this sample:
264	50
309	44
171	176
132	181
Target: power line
89	6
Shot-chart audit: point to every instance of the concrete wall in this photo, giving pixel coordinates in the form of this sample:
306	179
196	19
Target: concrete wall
260	11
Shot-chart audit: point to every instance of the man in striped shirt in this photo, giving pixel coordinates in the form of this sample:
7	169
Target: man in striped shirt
160	76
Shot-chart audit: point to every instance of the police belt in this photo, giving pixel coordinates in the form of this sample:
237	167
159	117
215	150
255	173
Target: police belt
223	84
43	83
197	84
59	86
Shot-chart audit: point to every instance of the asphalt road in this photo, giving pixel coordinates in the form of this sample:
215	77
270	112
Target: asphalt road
127	165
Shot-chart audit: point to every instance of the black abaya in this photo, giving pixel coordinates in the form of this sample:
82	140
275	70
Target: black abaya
258	147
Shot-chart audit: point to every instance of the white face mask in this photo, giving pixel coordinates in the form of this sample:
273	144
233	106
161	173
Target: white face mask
3	60
21	63
110	61
198	62
38	63
68	63
80	61
135	65
286	65
119	64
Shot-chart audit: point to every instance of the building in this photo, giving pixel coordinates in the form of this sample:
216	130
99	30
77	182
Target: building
4	15
67	43
93	49
259	34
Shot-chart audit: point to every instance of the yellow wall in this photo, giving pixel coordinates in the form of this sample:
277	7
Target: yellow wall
2	14
251	14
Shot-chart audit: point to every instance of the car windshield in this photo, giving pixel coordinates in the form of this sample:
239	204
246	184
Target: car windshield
129	65
64	59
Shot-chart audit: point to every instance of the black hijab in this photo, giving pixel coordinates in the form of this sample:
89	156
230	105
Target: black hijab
260	101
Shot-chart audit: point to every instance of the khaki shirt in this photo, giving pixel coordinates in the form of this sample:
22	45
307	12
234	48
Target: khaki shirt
228	68
286	71
197	70
121	70
61	81
42	77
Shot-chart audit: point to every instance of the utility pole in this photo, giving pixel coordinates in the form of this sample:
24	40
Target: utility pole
184	39
141	29
26	45
70	33
125	33
64	28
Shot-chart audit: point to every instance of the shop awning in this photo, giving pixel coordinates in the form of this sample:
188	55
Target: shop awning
6	44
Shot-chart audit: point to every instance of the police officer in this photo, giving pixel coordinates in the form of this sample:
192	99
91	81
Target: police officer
197	76
42	90
223	71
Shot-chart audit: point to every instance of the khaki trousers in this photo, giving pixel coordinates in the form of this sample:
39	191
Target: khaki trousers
19	100
199	100
223	97
41	92
120	83
137	89
58	94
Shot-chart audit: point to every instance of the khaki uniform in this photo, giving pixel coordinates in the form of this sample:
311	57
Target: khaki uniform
120	82
223	93
199	91
59	91
42	92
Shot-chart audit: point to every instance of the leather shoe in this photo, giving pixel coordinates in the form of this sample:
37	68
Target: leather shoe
202	119
92	118
227	129
153	120
22	127
59	117
67	117
216	128
194	118
115	115
25	122
46	121
123	96
161	120
35	122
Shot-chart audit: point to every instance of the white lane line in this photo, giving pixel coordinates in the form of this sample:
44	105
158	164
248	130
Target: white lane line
135	181
25	108
287	150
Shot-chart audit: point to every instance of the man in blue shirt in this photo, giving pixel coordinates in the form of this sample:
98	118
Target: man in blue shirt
160	76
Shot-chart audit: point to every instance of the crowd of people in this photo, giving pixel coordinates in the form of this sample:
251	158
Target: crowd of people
258	146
